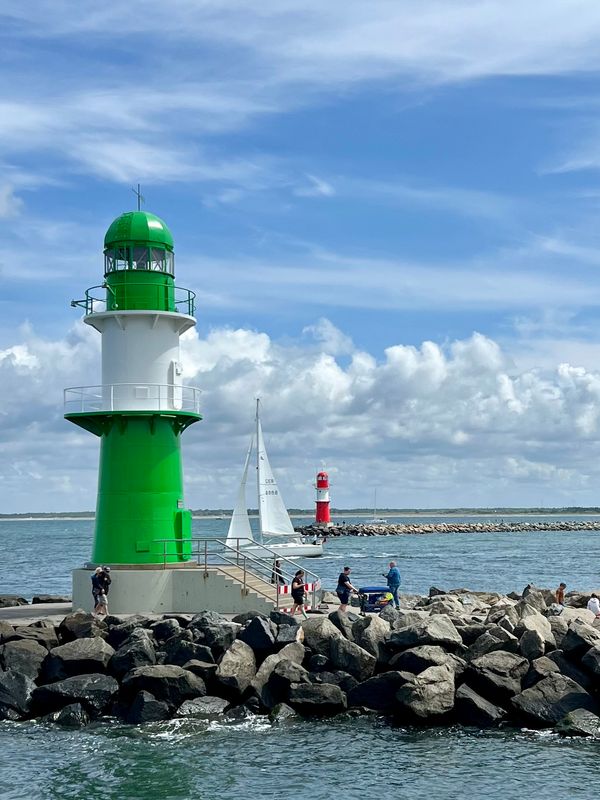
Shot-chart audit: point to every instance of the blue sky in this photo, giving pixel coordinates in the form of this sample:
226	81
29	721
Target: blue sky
344	184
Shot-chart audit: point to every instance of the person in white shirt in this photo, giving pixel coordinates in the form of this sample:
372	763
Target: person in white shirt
594	605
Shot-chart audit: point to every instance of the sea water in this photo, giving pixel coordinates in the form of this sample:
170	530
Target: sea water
317	760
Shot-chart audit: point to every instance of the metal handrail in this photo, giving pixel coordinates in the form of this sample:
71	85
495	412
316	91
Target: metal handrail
87	303
250	564
103	397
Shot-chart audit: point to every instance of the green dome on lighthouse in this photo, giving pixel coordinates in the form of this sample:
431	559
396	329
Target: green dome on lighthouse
138	227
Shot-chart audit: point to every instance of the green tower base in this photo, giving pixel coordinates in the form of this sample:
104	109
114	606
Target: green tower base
140	487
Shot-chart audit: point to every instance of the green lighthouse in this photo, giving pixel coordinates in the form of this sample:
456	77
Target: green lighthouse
141	407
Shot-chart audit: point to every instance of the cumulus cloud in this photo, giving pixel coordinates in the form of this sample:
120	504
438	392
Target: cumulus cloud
429	426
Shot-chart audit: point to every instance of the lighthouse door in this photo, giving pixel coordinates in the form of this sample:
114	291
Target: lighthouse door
175	389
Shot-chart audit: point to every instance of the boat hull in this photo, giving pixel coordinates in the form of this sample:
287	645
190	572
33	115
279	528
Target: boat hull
286	549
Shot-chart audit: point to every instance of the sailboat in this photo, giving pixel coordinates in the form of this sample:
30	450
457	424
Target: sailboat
276	529
376	520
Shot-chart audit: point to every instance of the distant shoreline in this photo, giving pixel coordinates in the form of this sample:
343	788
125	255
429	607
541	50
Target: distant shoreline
337	516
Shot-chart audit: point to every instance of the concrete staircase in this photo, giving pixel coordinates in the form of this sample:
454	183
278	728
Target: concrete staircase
254	594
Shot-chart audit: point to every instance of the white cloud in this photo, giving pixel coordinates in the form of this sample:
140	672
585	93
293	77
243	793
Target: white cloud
450	425
316	187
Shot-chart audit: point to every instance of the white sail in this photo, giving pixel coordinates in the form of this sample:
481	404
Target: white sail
240	532
274	518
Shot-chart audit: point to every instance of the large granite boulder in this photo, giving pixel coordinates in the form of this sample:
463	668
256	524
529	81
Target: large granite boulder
281	714
284	675
429	695
293	652
15	695
379	693
473	709
73	716
208	707
259	634
439	630
136	651
204	669
532	620
471	631
591	660
312	699
146	708
45	635
498	675
418	659
214	631
178	651
236	669
6	631
579	638
289	634
164	629
549	700
319	632
344	622
283	618
81	625
120	632
579	723
556	661
370	633
338	677
531	645
23	656
169	683
94	692
78	657
348	656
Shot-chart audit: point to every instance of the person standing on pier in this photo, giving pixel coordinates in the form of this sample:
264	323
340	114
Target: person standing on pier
298	593
393	582
344	588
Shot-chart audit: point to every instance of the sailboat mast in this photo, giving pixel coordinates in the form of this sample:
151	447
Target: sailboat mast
258	447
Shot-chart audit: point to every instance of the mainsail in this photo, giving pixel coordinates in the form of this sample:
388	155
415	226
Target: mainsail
240	532
274	518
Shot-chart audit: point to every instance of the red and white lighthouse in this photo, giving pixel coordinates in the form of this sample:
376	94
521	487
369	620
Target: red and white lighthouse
323	516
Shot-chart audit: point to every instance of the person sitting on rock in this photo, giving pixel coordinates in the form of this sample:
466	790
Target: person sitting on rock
594	605
559	594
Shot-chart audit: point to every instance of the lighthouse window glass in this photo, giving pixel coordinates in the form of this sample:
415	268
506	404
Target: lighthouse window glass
170	262
121	258
158	260
140	258
109	261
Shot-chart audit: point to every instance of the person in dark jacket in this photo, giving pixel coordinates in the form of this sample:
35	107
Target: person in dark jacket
96	585
105	579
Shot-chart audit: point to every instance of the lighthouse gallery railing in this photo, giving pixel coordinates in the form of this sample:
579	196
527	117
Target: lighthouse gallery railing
184	300
131	396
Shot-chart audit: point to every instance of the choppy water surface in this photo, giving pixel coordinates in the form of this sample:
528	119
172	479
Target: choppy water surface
363	758
357	758
38	556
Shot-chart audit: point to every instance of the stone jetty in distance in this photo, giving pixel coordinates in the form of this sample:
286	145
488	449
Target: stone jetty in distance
459	657
408	528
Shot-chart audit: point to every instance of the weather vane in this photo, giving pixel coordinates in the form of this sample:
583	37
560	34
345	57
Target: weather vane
140	197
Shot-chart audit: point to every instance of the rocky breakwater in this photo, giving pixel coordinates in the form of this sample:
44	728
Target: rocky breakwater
398	529
462	657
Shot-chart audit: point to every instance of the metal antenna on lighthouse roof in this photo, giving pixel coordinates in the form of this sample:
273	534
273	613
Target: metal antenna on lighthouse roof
140	197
